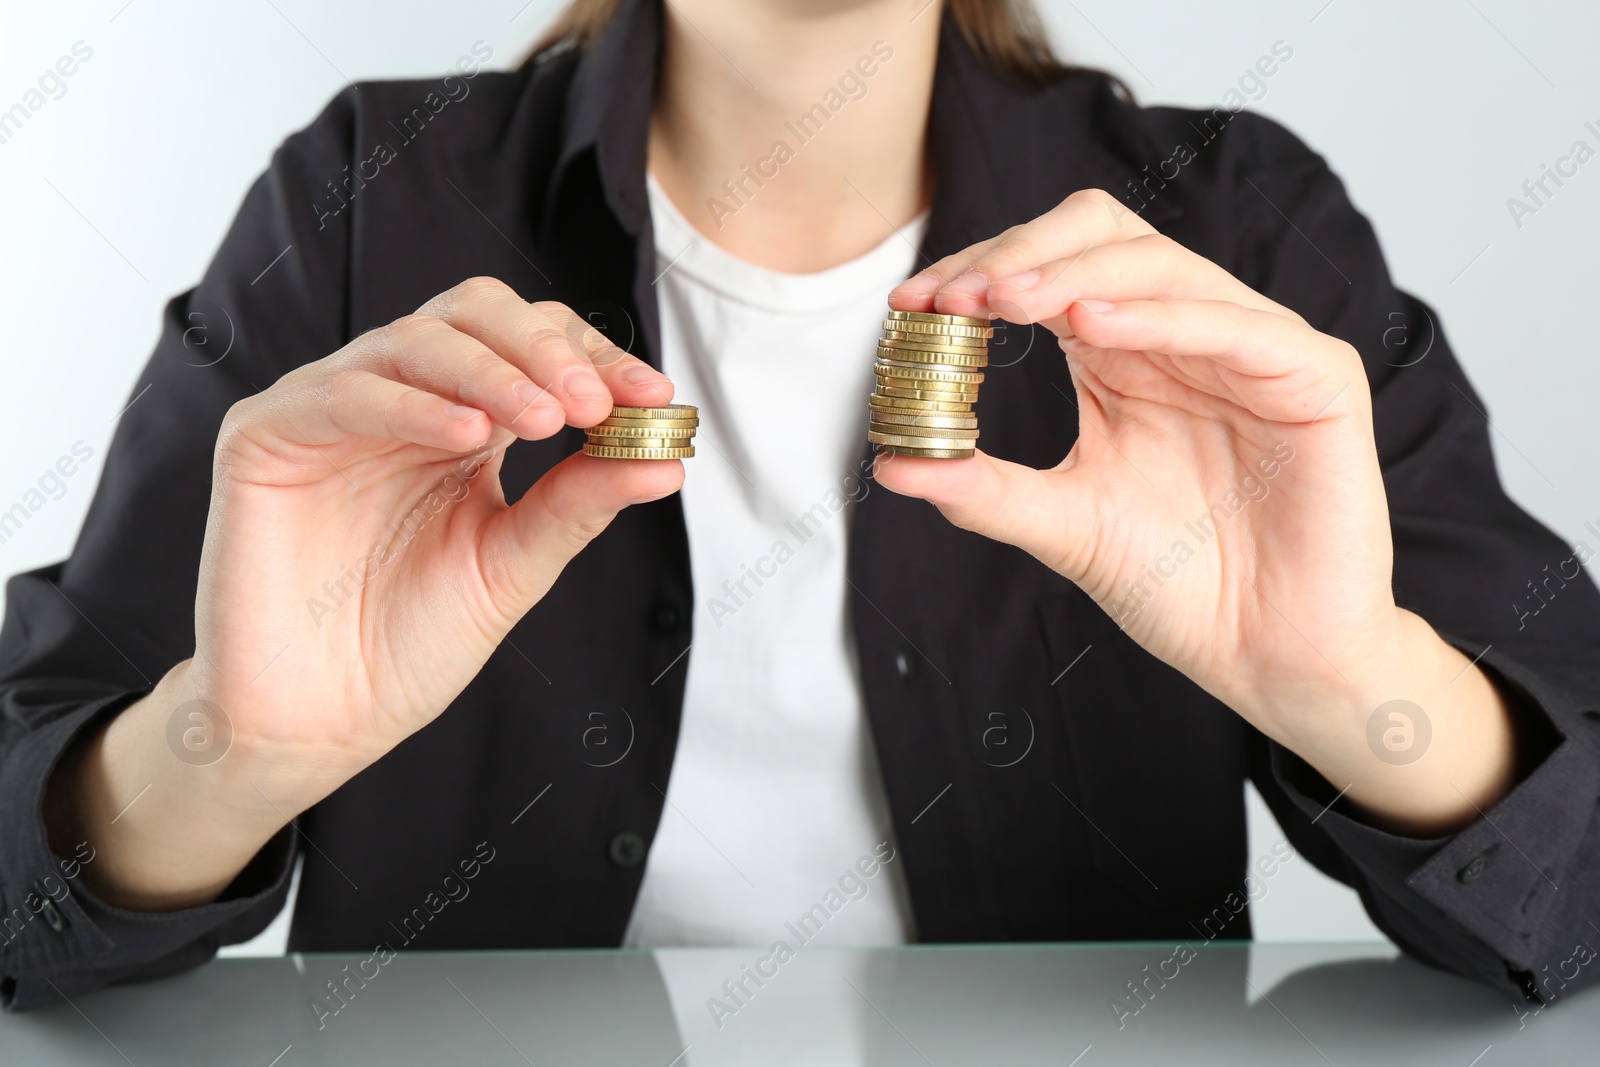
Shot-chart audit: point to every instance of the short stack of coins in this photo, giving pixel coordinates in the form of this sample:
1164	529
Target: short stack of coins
928	371
645	433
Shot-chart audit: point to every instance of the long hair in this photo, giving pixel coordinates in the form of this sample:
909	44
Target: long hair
1007	35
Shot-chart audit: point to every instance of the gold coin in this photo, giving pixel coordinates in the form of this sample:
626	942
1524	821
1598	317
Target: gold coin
670	411
953	360
901	440
650	424
940	405
620	434
879	413
922	419
639	442
894	376
966	359
930	343
897	359
903	378
936	407
664	428
942	396
933	346
922	435
924	453
917	389
894	357
921	374
945	329
926	331
614	452
926	396
944	433
929	316
617	420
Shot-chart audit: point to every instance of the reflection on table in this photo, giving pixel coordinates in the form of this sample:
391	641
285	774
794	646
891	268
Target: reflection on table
1089	1005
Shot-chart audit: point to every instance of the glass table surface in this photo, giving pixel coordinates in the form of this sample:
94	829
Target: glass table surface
921	1006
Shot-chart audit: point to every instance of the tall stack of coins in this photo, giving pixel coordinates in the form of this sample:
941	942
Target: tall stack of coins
928	370
645	433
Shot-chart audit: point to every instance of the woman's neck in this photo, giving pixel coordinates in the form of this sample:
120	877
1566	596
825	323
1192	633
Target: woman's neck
793	135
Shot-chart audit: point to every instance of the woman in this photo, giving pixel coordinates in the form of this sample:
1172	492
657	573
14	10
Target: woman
406	653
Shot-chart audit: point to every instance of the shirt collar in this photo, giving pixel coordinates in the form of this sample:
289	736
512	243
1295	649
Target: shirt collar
608	110
1002	154
1005	154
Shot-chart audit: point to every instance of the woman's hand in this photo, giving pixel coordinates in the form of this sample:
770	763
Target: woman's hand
1223	501
361	563
360	566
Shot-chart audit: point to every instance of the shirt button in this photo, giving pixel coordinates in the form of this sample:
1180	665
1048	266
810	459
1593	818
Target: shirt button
53	916
1474	868
626	849
668	618
902	664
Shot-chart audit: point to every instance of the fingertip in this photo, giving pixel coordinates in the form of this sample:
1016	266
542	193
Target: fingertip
1011	297
651	393
637	383
1020	283
585	412
915	293
965	306
1094	321
459	430
584	391
535	422
1009	306
966	295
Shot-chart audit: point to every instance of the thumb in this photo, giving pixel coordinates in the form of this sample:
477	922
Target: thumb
1044	513
525	547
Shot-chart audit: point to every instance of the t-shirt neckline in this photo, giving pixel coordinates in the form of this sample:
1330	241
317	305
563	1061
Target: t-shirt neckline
681	247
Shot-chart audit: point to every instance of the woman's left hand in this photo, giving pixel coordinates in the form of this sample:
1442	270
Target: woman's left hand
1223	502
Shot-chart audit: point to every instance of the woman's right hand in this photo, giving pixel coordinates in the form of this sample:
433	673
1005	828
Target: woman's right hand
360	562
360	566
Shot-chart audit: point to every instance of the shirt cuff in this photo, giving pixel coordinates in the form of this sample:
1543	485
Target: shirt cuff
1500	878
54	931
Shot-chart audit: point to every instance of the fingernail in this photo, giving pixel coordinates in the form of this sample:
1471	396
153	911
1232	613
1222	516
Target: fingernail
461	413
581	383
1098	307
651	497
531	394
642	374
972	283
925	282
1024	281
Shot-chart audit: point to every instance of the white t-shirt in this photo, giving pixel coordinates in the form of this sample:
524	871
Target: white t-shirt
776	791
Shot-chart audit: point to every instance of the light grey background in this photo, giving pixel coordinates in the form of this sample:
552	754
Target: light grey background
1435	113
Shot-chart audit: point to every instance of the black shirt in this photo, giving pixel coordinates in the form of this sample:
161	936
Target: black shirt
1125	821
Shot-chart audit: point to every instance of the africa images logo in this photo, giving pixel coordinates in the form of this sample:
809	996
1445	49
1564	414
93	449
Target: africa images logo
1399	732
